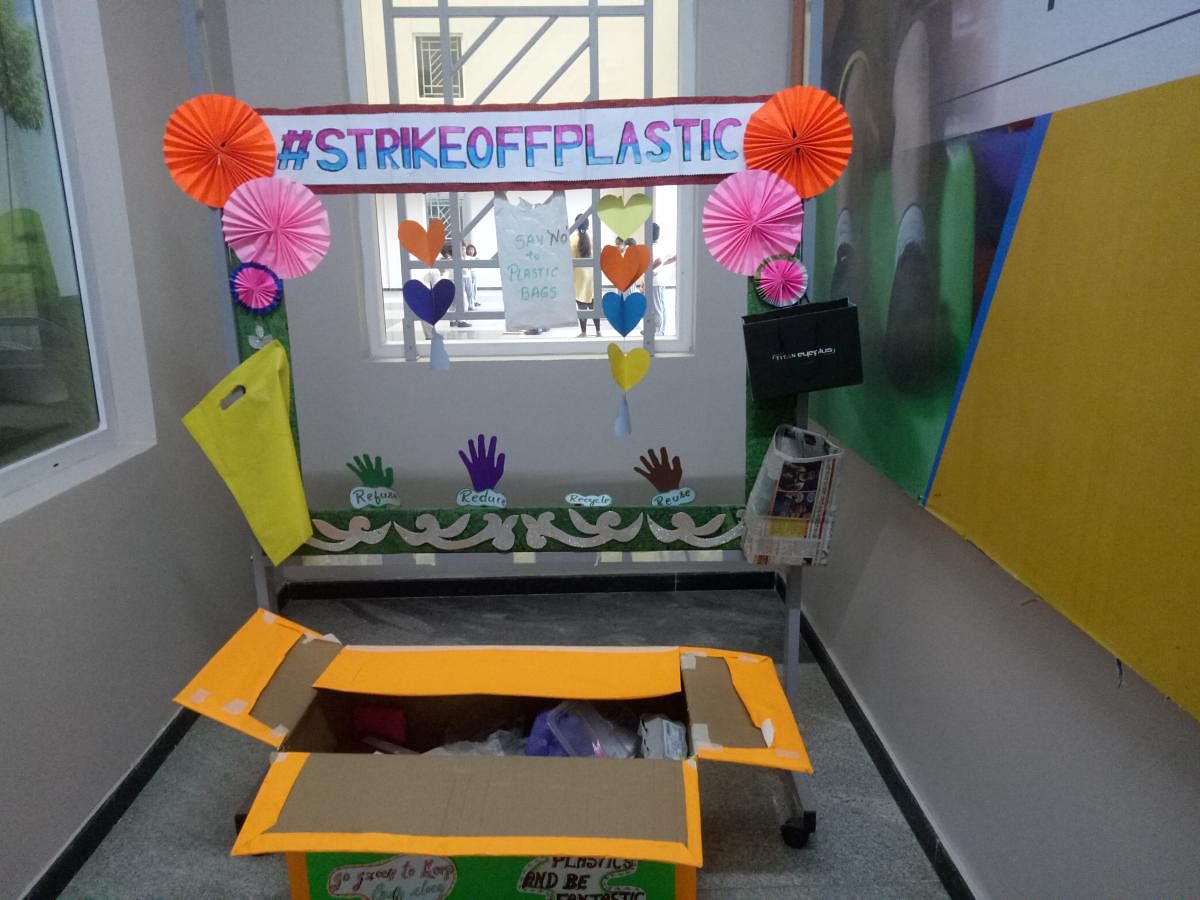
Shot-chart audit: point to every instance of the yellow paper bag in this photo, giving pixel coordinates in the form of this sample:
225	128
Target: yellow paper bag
242	426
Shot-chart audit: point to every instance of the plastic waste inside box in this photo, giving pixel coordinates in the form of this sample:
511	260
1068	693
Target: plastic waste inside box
790	511
576	728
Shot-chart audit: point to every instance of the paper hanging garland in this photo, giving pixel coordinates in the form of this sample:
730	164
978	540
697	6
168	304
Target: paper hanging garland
623	269
624	312
624	217
424	243
214	143
429	305
628	370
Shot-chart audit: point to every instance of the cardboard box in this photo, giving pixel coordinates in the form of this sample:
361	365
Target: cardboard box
357	824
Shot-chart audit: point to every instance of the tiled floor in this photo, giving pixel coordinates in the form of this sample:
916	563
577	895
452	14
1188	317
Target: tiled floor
174	841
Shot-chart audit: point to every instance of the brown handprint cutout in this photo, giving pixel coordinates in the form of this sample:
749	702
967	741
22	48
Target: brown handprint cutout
665	477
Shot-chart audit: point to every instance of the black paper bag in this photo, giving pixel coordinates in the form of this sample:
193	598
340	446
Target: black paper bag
801	348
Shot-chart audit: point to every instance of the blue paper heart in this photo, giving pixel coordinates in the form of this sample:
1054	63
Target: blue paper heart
624	313
429	305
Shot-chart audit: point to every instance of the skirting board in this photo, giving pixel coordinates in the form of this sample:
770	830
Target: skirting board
64	867
532	584
945	868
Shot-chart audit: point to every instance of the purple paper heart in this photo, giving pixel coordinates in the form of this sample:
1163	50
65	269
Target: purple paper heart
429	305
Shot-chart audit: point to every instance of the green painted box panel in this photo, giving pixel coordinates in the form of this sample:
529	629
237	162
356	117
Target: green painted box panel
332	876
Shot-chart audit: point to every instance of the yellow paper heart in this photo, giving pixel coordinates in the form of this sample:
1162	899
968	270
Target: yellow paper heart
624	217
628	369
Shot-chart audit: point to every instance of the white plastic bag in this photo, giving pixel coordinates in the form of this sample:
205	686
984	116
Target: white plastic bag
536	274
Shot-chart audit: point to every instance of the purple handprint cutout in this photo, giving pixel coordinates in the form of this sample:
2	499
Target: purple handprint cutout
485	469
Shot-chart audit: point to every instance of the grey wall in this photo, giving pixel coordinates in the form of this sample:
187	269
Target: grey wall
1046	772
115	592
554	416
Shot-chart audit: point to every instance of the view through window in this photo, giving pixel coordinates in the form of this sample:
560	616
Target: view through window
47	390
519	51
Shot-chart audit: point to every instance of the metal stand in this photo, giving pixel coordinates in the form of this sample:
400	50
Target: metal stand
263	571
803	821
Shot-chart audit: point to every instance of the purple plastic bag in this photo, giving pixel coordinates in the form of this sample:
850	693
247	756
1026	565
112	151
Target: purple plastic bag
541	740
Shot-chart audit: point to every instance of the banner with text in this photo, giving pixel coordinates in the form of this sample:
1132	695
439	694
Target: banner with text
398	149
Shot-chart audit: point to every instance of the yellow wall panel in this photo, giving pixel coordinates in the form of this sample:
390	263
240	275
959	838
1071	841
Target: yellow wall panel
1074	455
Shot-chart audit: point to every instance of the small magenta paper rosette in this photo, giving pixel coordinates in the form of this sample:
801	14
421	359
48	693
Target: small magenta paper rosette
278	223
749	216
255	288
782	280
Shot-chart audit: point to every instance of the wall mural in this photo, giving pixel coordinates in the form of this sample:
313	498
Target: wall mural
1027	305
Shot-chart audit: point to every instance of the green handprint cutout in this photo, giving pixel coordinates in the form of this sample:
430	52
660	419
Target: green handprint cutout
371	474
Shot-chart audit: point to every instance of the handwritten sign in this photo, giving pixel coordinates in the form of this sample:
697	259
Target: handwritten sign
534	250
373	497
427	877
481	498
579	876
677	497
596	500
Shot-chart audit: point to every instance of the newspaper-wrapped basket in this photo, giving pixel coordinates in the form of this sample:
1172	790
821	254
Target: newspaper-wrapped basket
789	515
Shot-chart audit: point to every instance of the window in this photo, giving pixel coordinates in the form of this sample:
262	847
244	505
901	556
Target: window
430	71
47	381
75	395
527	52
437	206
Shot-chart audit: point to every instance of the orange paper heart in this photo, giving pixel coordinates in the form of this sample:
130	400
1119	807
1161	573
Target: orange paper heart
424	245
624	269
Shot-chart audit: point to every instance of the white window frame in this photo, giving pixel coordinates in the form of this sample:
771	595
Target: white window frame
370	212
72	53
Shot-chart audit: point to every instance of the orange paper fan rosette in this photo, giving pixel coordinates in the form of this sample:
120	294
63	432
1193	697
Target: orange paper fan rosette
213	143
802	134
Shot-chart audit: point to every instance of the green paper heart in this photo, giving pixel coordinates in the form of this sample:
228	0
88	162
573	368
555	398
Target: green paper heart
624	217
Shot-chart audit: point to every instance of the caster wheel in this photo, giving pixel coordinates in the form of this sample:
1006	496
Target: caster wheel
795	831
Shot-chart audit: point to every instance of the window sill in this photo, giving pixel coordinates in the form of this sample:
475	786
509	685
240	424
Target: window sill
555	347
395	354
62	469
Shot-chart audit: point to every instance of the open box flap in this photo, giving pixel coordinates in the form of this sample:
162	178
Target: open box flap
738	710
568	673
260	682
471	805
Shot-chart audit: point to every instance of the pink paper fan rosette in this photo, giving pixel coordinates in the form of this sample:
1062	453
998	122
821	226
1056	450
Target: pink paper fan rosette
256	288
277	223
782	280
752	215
